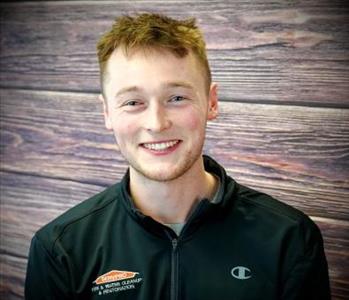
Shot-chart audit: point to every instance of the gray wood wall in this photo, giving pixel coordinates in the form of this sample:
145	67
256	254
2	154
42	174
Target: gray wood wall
282	69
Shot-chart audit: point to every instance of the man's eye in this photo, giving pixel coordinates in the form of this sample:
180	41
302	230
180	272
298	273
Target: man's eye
132	103
177	98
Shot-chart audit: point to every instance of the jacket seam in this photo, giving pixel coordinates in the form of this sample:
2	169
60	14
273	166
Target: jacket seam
273	209
301	260
42	245
65	227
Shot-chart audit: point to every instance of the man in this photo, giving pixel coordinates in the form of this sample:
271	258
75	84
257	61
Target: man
176	226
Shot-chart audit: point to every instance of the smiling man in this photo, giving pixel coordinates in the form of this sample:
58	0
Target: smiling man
176	226
158	107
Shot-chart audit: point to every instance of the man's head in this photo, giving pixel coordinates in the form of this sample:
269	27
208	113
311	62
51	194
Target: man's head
153	32
156	96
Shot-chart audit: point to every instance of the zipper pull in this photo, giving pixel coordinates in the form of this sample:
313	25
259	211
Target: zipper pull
174	243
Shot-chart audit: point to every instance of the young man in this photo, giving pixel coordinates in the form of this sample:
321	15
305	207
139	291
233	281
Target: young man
176	226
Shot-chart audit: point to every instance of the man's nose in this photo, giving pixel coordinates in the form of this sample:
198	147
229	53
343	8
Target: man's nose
157	118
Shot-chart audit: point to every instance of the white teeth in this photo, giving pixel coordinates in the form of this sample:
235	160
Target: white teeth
160	146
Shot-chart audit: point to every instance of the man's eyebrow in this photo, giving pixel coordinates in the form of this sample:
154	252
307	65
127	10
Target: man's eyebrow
128	89
171	84
182	84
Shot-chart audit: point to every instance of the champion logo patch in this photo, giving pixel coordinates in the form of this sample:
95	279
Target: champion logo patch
116	281
241	273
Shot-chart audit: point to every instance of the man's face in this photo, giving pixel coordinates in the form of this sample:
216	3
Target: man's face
157	105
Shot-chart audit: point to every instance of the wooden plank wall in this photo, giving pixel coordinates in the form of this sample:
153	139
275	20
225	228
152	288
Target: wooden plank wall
282	69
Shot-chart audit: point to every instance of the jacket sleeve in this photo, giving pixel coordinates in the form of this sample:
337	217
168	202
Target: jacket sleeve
46	277
308	278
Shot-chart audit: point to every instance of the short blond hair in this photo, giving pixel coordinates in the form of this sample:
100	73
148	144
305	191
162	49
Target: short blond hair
154	31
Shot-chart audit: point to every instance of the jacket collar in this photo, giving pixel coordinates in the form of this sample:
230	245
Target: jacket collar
204	210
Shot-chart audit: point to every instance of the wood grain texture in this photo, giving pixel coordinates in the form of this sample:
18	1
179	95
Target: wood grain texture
268	52
12	277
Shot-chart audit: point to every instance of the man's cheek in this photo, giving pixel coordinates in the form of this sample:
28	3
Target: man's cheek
193	121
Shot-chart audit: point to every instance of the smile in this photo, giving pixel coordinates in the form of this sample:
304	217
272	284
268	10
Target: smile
160	146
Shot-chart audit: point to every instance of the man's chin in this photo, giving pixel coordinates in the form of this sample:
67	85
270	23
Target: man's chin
161	174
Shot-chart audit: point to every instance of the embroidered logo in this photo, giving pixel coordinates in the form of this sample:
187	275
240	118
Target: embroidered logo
116	281
241	273
115	275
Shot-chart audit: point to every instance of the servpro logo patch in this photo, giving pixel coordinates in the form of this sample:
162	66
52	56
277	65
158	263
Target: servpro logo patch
115	275
116	281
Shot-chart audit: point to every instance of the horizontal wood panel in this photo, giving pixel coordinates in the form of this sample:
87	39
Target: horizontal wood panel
295	154
299	155
29	202
265	52
12	277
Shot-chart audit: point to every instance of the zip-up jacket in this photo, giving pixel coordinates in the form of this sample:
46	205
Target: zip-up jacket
245	246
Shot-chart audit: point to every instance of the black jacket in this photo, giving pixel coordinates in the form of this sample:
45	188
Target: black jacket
246	246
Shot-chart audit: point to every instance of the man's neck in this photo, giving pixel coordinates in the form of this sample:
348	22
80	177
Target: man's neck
172	201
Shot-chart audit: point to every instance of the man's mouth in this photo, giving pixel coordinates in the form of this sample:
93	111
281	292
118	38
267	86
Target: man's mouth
160	146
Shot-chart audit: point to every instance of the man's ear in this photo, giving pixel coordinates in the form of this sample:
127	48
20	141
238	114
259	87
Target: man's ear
107	120
212	102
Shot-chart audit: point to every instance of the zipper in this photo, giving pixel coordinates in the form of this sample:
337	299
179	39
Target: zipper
175	254
174	269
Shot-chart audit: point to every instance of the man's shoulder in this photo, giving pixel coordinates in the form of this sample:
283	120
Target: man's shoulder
77	217
266	208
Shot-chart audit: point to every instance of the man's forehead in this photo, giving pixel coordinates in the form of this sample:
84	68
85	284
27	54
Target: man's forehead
122	60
